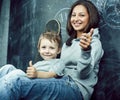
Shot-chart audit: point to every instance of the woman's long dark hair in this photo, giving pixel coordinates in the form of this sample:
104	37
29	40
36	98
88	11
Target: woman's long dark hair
93	19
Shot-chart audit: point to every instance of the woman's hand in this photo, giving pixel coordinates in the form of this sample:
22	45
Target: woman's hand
86	39
31	71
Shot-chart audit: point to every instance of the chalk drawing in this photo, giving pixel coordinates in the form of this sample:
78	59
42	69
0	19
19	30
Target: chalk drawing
61	15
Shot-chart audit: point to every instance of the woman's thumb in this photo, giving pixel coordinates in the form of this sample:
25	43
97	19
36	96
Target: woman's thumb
91	32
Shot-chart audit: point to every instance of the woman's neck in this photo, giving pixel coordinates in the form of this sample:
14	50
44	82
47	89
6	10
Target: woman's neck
79	34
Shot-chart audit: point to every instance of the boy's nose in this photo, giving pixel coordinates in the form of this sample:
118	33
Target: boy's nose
47	50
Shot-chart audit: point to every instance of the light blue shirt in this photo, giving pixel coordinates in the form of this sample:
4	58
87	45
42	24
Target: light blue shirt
53	65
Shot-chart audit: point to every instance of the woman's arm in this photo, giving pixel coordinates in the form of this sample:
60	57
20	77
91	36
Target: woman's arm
89	58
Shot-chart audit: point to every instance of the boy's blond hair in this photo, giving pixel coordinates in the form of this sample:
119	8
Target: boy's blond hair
51	36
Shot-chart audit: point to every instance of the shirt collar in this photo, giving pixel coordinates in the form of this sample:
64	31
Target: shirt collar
77	39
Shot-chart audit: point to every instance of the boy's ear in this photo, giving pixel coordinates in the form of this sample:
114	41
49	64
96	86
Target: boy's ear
59	51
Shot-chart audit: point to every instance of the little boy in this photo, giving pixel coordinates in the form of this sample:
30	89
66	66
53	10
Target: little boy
49	46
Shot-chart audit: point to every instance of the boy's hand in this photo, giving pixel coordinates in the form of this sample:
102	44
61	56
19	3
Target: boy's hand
86	39
31	71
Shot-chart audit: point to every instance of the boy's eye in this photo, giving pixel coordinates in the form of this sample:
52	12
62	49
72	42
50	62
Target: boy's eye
52	48
43	47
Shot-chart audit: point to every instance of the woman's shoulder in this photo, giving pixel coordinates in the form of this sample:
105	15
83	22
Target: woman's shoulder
96	33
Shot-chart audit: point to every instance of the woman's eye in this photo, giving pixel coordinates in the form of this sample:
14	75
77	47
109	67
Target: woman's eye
82	15
73	15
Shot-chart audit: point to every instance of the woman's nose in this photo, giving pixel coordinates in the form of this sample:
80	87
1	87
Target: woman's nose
77	17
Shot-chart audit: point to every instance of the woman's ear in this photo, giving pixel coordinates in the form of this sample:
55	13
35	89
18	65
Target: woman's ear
38	50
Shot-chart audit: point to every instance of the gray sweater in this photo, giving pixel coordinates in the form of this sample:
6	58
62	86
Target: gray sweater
53	65
82	66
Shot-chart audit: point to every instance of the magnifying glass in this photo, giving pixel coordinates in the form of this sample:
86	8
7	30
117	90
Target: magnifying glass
53	26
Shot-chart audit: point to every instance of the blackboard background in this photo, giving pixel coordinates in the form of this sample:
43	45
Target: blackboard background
28	19
108	85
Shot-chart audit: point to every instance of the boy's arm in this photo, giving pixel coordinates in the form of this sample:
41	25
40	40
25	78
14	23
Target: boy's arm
33	73
42	74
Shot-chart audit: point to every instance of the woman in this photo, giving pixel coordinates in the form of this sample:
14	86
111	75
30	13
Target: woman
81	55
83	51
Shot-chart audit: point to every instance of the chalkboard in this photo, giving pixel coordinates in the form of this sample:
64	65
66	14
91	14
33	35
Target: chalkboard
108	85
0	5
28	20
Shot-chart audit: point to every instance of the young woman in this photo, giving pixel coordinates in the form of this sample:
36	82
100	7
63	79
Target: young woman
81	55
83	50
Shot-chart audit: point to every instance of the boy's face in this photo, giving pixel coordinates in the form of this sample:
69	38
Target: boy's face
48	50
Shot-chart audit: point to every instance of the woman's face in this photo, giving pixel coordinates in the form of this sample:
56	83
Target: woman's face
79	18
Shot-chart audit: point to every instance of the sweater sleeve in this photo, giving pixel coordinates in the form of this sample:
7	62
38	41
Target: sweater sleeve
89	60
58	67
84	63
